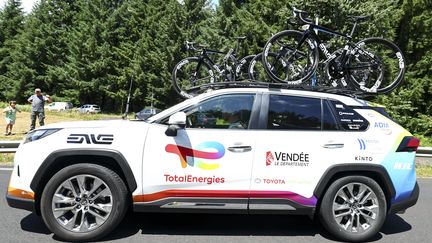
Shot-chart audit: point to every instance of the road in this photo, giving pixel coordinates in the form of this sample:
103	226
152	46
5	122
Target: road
413	226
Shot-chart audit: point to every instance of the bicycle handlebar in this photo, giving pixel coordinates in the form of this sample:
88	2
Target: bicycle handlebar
299	13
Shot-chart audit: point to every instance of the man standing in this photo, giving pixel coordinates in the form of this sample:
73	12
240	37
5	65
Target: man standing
38	110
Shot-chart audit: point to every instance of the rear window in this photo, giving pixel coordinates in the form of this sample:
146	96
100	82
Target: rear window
299	113
348	118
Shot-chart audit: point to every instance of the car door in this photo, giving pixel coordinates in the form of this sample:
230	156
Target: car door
299	140
208	164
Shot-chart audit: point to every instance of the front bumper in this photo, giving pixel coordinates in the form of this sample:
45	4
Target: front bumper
21	203
409	202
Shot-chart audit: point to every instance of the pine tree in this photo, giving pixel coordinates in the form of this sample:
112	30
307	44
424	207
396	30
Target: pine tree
11	25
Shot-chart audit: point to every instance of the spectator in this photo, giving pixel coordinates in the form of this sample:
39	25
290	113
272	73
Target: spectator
10	116
38	110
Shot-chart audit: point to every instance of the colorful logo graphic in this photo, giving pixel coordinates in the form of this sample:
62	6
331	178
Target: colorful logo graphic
269	158
206	150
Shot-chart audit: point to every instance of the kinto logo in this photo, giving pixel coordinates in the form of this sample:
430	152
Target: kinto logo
91	138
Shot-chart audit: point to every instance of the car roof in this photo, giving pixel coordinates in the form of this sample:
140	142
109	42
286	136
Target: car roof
347	100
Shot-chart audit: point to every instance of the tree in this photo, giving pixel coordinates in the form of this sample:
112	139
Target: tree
11	25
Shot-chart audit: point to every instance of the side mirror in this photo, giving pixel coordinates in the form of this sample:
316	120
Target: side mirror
176	121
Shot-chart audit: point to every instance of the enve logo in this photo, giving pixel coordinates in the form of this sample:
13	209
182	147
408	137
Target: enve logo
206	150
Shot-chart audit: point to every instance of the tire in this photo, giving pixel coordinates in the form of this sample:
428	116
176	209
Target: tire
256	70
353	209
191	72
382	66
77	220
242	68
300	63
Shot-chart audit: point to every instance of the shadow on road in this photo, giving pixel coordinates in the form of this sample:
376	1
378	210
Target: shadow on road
220	225
34	224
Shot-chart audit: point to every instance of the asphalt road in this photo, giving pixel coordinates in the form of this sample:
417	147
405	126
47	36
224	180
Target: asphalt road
413	226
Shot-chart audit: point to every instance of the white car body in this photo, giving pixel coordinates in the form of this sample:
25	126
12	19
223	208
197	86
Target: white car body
252	170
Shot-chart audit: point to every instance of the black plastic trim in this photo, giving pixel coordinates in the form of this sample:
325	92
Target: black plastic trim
409	202
267	207
117	156
328	175
20	203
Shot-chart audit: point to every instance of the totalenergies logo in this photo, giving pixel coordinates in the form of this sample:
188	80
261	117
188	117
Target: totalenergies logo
206	150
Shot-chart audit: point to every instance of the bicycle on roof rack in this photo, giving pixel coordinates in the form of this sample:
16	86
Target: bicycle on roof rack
203	69
373	65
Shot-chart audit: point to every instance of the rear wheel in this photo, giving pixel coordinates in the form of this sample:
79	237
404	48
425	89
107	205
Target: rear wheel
376	66
354	208
189	73
84	202
256	69
300	61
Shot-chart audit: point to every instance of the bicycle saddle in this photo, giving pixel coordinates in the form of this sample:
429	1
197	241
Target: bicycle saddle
240	37
359	18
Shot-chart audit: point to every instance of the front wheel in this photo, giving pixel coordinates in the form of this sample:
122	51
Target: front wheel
353	208
84	202
301	59
189	73
376	66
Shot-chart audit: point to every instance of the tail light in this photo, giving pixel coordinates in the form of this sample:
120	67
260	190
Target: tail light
408	144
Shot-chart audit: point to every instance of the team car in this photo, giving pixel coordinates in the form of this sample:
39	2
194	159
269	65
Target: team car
255	150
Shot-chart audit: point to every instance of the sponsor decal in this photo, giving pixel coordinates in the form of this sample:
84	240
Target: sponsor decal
402	166
381	125
288	159
269	158
363	158
354	126
206	150
362	144
341	113
273	181
384	127
194	179
340	106
91	138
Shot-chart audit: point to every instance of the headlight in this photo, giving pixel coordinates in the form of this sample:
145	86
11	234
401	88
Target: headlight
38	134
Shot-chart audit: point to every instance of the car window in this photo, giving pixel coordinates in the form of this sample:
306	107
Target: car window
349	119
222	112
294	113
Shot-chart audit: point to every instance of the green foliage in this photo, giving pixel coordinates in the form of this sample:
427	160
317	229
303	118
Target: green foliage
91	51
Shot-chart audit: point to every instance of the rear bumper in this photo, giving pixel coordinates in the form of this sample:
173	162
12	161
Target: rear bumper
21	203
409	202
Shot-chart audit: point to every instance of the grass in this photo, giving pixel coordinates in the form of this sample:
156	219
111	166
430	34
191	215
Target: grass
424	171
22	124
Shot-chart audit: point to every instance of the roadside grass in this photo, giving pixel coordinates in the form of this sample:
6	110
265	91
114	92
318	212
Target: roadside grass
424	171
22	124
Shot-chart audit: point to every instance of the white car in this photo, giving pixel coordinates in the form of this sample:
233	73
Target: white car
89	108
59	106
237	150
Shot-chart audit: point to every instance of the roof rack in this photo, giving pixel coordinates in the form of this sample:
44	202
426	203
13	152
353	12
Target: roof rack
251	84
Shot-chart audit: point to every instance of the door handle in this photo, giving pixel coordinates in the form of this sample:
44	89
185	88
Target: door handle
333	145
239	149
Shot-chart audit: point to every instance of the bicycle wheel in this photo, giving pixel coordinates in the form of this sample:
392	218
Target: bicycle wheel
376	66
242	68
300	61
189	73
256	70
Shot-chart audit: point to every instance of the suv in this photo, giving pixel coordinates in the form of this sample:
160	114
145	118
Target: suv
146	113
89	109
237	150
